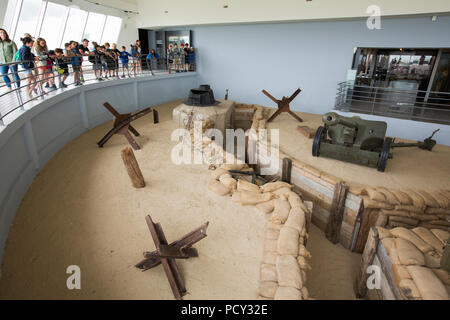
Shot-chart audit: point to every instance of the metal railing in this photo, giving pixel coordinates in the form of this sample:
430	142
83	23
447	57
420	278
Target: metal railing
419	105
40	81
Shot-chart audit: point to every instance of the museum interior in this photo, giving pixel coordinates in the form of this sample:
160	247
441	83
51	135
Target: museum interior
225	150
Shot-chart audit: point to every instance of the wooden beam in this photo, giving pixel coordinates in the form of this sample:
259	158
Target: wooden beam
286	171
132	166
336	212
368	255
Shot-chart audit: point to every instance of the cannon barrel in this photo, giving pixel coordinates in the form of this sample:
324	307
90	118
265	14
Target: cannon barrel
332	118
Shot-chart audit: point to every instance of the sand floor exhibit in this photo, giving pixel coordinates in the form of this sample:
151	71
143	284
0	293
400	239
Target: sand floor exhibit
409	168
82	210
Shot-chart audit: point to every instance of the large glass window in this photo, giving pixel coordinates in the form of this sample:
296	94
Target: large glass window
58	23
29	18
53	24
112	29
11	11
74	25
94	27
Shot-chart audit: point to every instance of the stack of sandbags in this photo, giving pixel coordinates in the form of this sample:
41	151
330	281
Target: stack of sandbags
284	265
415	256
259	121
409	208
221	182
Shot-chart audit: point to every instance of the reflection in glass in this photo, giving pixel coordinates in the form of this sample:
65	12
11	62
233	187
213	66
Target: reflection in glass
94	27
53	24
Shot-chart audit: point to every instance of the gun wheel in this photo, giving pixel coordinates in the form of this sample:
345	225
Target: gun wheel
320	136
384	154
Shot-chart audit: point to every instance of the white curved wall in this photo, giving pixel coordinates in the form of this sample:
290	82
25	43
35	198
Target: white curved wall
29	141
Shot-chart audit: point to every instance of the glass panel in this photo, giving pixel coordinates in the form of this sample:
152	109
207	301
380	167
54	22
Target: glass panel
9	15
112	29
94	27
28	19
74	26
53	24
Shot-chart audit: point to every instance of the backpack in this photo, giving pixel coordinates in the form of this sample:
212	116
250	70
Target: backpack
17	56
92	59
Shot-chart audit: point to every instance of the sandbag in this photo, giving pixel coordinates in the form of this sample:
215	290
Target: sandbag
252	198
390	197
432	260
382	220
268	272
288	241
243	185
283	191
296	219
442	235
273	186
218	188
271	234
409	290
228	181
302	251
439	222
442	199
429	285
402	197
417	199
430	226
281	210
411	237
270	257
400	272
288	293
409	221
233	166
270	245
443	275
374	194
389	244
408	253
437	211
303	273
266	207
288	272
295	201
305	293
217	173
429	200
383	233
427	236
267	289
409	208
303	264
236	197
372	204
400	213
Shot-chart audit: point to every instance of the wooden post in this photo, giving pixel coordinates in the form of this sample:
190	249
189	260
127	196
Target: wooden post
368	255
286	172
369	217
336	212
129	160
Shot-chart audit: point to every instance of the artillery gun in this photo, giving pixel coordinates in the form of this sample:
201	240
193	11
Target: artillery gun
359	141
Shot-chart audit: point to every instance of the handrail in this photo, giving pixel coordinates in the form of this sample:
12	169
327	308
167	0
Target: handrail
412	104
36	82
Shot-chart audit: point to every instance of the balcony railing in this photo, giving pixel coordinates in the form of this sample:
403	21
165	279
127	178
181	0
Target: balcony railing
418	105
16	97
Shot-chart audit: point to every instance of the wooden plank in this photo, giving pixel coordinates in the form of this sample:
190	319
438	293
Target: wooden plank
306	131
386	267
368	255
132	167
369	218
336	213
286	171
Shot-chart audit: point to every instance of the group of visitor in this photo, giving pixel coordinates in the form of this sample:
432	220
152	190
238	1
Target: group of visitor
39	63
